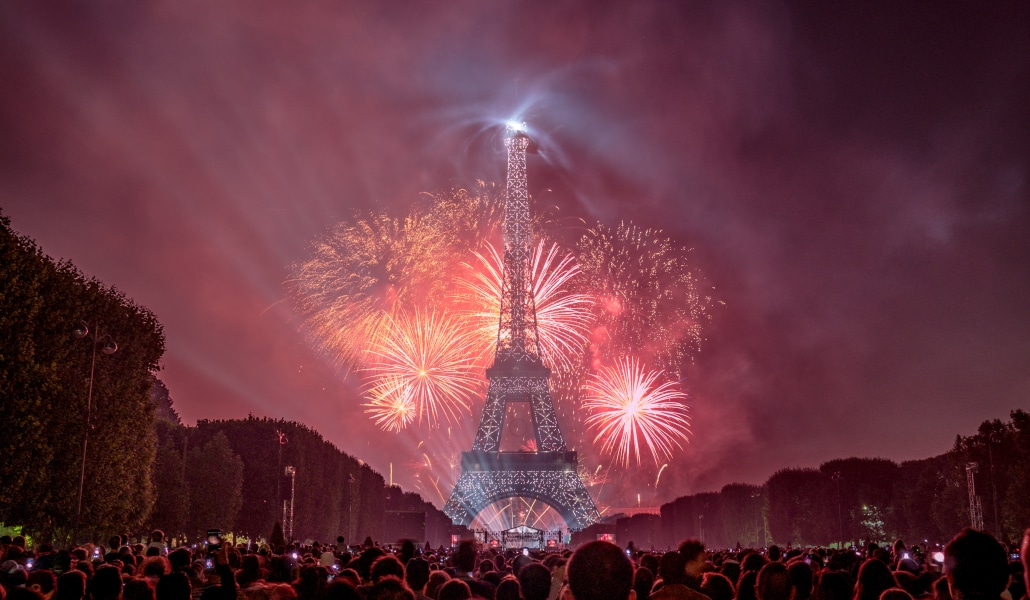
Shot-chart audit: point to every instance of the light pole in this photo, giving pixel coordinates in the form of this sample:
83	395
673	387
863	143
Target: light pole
351	531
109	347
755	497
279	474
991	440
292	474
840	521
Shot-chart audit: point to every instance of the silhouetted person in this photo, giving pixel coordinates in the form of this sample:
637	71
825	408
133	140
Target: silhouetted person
834	585
416	575
138	589
436	580
1025	558
600	571
455	589
465	562
976	566
71	586
717	586
801	577
874	577
895	594
389	587
693	552
672	569
774	583
21	593
643	581
42	581
508	589
384	566
174	586
106	583
746	585
535	581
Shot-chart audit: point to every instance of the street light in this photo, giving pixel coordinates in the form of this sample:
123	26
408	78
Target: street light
992	439
352	531
279	474
107	346
290	472
755	496
840	521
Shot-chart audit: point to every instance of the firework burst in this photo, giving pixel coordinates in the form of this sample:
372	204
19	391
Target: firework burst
629	408
563	316
362	273
423	360
390	405
649	299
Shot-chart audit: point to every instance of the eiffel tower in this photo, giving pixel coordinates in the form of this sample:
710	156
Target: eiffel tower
519	375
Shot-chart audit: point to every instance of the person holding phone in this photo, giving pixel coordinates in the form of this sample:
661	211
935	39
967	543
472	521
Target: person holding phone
227	587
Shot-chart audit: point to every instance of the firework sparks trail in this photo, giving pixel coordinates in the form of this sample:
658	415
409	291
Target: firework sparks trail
361	274
628	407
426	358
659	477
563	316
391	406
649	302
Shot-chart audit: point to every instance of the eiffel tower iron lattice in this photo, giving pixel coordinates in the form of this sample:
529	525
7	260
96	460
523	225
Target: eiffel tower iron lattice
548	474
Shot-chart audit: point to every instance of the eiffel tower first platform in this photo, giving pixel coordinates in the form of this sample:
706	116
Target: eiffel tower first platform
518	374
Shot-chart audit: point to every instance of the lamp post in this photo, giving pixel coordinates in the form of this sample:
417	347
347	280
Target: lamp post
992	439
279	475
107	346
755	496
292	474
840	521
351	531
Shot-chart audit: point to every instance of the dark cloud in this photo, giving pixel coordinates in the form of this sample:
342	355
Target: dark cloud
853	180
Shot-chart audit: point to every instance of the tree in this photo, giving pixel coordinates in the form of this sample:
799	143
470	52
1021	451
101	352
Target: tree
866	497
162	399
214	474
25	383
744	522
277	538
172	493
45	376
799	506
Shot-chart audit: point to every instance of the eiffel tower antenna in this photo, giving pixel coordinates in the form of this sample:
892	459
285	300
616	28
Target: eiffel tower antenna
518	375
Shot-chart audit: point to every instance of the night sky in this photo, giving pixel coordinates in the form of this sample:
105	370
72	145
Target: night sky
852	177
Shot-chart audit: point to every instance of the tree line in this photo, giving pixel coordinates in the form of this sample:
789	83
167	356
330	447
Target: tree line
855	500
78	361
233	474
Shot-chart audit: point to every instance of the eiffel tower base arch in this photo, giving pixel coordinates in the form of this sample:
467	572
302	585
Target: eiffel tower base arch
549	477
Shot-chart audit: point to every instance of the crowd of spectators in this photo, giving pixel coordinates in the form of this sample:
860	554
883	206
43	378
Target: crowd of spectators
973	566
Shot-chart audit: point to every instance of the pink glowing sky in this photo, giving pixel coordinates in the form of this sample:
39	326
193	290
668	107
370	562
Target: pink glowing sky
852	177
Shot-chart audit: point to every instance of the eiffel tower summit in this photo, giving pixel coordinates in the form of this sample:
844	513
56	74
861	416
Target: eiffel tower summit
547	473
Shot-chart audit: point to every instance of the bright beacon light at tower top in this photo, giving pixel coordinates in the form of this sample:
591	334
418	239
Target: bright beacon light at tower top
516	126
